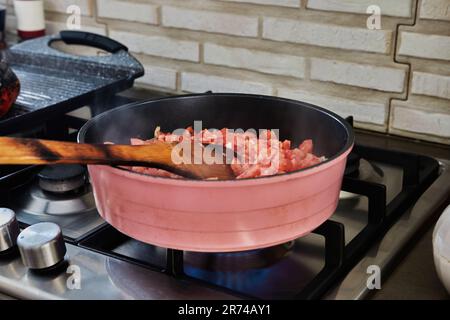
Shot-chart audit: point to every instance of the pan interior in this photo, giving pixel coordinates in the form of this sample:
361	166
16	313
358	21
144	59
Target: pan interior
295	120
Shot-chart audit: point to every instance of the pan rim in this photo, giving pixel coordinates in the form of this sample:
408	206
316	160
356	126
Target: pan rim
345	150
247	182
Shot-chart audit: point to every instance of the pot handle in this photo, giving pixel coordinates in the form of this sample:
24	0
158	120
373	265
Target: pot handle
91	39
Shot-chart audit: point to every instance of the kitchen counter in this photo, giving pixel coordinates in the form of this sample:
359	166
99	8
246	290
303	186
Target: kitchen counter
415	276
3	297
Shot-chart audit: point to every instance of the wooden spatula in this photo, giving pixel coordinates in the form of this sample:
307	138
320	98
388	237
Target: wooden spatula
158	155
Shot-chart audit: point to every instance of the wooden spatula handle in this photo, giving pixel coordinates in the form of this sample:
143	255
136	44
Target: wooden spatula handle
36	151
157	154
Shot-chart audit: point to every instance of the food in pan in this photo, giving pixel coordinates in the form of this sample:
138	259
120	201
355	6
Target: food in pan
254	156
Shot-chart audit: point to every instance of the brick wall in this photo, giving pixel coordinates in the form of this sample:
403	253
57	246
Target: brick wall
425	47
395	80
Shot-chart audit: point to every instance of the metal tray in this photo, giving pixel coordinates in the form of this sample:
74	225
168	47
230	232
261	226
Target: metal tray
54	82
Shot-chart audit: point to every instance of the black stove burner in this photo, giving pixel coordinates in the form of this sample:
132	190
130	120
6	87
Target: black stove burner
62	178
238	261
57	190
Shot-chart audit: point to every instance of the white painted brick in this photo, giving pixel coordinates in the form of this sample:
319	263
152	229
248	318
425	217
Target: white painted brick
425	45
327	35
62	5
429	84
159	77
197	82
261	61
421	121
359	75
210	21
158	45
435	9
362	111
54	27
396	8
283	3
131	11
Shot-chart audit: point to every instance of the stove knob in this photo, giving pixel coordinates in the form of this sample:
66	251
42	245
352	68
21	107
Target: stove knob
9	229
41	245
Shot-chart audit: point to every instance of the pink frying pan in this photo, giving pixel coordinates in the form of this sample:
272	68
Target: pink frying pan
220	216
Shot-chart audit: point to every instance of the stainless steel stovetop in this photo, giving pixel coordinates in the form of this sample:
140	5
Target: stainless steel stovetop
105	264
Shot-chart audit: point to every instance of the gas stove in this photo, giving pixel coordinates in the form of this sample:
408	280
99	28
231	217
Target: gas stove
387	197
59	194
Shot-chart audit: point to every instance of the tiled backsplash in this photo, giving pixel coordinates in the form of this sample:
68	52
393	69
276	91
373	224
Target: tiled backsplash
395	79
